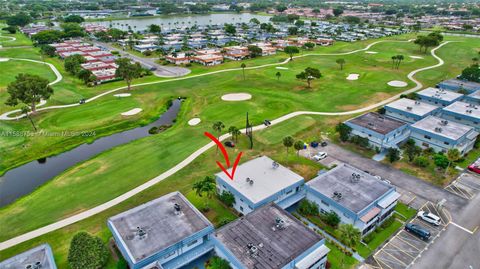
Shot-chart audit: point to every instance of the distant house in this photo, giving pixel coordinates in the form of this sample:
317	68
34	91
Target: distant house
208	59
442	135
357	197
236	53
179	58
438	97
145	47
473	98
167	232
324	41
381	131
409	110
270	237
259	182
457	84
465	113
38	257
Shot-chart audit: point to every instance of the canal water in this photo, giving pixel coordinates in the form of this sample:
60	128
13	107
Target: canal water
24	179
169	22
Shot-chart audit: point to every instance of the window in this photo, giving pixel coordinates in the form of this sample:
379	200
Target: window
446	143
458	118
192	243
169	254
325	203
241	208
241	199
427	137
290	191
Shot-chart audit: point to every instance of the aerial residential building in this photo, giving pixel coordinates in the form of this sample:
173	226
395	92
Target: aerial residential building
270	237
442	135
464	113
457	85
324	41
473	98
409	110
382	132
438	97
179	58
357	197
259	182
167	232
236	53
208	59
40	257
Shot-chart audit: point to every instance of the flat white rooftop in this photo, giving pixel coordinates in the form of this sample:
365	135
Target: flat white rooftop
440	94
40	256
464	109
154	226
475	95
412	106
267	180
441	127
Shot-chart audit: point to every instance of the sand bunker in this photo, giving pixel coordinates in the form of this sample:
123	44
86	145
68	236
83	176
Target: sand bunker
353	77
122	95
416	57
397	83
371	52
236	97
132	112
194	121
4	59
281	68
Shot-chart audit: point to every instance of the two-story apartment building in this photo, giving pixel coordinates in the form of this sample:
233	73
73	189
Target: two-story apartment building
438	97
464	113
409	110
167	232
442	135
259	182
473	98
382	132
236	53
270	237
457	85
357	197
40	257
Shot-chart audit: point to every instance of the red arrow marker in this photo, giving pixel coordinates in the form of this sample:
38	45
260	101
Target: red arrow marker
225	156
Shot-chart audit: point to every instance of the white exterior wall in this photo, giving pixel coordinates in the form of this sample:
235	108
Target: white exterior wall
439	145
459	119
400	116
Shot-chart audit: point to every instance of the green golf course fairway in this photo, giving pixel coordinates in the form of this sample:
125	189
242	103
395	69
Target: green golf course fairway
120	169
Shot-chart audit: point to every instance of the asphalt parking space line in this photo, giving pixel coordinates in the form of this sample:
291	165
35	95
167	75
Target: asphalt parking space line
388	263
465	192
401	262
411	238
404	249
380	263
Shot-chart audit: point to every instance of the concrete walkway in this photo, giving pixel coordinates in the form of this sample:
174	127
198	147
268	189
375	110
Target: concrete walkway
102	207
58	76
5	116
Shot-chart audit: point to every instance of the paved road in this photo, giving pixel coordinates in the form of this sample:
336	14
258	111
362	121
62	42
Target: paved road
102	207
162	71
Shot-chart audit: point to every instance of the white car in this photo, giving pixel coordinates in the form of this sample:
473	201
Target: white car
320	156
429	217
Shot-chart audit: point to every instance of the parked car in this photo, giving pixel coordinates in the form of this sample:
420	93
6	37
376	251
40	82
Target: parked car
82	101
314	144
417	230
267	123
324	144
229	144
475	167
429	217
320	156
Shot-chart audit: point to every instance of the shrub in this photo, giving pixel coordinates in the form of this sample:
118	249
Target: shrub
308	208
122	264
87	252
386	223
114	52
153	130
204	208
227	198
217	263
368	238
440	160
224	221
331	218
421	161
393	154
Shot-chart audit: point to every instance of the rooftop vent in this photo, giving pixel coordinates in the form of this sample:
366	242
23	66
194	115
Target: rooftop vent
337	196
438	129
469	111
177	209
275	165
252	249
443	122
279	223
141	233
355	178
417	102
409	108
249	181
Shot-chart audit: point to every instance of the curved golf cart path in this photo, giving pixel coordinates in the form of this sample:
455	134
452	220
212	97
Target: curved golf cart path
58	76
102	207
6	115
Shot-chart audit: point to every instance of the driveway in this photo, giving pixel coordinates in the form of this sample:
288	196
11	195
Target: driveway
162	71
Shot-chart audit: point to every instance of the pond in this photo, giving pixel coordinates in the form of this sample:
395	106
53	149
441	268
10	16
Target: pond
168	22
24	179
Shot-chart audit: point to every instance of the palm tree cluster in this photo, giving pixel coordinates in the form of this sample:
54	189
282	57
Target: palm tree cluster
205	187
396	60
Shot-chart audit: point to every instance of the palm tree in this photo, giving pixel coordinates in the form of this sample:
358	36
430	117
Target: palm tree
278	74
394	60
205	187
234	132
341	62
452	155
288	142
218	127
349	235
243	69
399	60
298	146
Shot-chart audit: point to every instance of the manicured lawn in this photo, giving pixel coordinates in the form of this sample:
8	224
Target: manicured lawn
337	259
218	213
380	238
405	211
21	39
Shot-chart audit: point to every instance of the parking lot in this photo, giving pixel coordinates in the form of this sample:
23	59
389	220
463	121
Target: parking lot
404	248
467	185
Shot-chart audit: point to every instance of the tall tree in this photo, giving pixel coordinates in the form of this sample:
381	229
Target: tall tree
234	132
340	62
243	65
291	50
299	144
127	70
453	155
343	131
73	63
309	74
29	90
205	187
349	235
288	142
218	127
26	111
278	75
